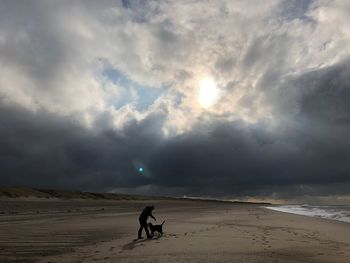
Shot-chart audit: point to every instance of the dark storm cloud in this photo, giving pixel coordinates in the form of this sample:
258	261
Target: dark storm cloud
251	160
281	127
43	150
308	154
326	97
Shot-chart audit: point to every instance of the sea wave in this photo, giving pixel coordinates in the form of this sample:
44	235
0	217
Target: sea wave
334	212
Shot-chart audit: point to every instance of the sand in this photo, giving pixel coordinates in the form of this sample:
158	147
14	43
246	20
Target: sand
195	231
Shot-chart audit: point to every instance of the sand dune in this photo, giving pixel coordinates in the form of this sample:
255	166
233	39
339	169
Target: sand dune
26	192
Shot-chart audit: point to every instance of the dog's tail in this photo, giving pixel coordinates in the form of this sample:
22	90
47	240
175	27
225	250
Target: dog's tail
163	222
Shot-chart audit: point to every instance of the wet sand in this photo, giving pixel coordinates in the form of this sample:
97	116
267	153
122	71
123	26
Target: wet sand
195	231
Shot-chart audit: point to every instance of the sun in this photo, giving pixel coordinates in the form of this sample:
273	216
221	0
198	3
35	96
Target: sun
208	93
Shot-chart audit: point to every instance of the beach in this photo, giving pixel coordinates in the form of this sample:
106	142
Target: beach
194	231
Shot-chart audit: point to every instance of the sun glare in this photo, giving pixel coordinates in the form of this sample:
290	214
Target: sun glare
208	92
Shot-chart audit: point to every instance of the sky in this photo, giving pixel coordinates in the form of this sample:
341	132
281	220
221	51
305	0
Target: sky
246	100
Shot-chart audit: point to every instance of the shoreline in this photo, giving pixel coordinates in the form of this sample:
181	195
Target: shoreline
99	231
315	211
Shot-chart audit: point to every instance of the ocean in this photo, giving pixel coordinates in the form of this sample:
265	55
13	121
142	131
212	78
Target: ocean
334	212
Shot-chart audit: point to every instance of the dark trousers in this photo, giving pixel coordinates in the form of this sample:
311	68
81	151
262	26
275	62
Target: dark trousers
143	225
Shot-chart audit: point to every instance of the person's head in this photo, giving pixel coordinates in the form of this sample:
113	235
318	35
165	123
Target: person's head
151	207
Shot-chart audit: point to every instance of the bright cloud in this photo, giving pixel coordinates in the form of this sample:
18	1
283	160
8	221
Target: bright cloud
52	60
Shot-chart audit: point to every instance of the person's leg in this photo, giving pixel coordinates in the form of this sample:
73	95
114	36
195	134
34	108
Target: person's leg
144	225
139	233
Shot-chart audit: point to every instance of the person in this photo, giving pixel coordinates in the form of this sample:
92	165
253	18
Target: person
146	212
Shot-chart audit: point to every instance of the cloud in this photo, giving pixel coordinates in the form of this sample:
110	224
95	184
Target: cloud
91	91
41	149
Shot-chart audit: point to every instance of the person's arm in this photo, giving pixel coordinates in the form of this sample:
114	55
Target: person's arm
152	216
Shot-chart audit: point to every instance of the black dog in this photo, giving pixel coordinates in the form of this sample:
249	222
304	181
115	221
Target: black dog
156	228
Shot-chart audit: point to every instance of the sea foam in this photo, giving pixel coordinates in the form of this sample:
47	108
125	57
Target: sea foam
334	212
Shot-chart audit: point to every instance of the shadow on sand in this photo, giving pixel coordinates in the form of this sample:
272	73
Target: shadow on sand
138	242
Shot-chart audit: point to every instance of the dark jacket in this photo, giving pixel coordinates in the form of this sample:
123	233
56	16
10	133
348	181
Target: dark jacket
146	212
